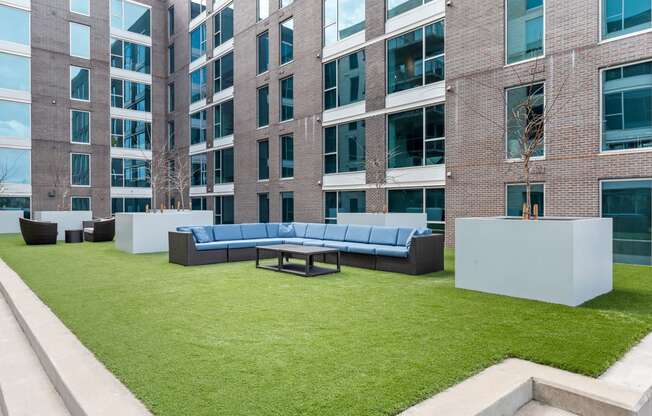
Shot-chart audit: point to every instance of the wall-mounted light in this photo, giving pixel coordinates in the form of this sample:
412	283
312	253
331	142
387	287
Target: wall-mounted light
449	174
449	3
449	88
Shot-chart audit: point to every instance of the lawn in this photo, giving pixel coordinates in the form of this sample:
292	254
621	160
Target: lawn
232	340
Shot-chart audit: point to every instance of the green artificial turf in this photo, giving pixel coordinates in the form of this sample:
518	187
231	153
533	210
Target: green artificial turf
229	339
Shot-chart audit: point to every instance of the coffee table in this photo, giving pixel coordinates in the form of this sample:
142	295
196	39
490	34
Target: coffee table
307	253
74	236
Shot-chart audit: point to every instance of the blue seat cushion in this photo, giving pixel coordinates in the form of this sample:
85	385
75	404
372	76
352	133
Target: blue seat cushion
335	232
423	231
215	245
361	248
227	232
392	251
253	231
300	229
254	243
383	235
272	230
358	233
202	234
316	231
342	246
313	242
294	240
404	236
286	231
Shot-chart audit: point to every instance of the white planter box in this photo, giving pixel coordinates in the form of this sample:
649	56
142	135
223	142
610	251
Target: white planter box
559	260
9	223
66	220
148	232
390	219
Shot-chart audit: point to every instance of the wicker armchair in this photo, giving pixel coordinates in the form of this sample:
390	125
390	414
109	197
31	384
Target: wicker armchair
38	232
101	230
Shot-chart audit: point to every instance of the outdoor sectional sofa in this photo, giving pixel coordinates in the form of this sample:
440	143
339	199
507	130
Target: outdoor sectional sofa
394	249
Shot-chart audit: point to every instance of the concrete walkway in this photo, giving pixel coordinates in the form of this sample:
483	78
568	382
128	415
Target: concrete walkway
634	370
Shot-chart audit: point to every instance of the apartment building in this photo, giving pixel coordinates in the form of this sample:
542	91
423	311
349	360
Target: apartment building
284	110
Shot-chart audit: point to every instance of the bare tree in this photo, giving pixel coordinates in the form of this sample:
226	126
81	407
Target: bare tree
178	176
378	178
157	175
59	178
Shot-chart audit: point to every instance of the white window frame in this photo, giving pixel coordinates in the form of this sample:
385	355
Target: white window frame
258	194
70	40
90	201
280	41
614	38
90	176
122	57
122	15
74	110
423	137
280	99
258	36
80	13
89	84
543	54
506	110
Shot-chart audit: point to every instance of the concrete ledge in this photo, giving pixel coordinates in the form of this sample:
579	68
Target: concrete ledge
85	385
3	405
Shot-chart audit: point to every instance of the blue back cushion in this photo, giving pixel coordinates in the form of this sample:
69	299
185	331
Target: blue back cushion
272	230
404	236
227	232
335	232
202	234
423	231
253	231
358	233
286	231
316	231
300	229
384	235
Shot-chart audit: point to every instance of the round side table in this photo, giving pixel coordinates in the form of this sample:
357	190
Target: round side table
74	236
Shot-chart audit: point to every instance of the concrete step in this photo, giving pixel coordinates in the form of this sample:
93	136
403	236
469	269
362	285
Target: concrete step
25	388
535	408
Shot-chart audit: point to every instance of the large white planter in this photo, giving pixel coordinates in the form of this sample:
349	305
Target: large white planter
148	232
559	260
389	219
9	223
66	220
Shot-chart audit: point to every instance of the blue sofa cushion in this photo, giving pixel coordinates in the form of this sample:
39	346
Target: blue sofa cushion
252	231
361	248
383	235
254	243
313	242
215	245
272	230
316	231
202	234
342	246
392	251
294	240
300	229
335	232
404	236
423	231
227	232
358	233
187	230
286	231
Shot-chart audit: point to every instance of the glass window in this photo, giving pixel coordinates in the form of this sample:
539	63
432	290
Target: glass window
263	106
131	134
287	99
171	97
416	58
198	42
345	202
517	197
405	201
130	16
224	210
14	72
620	17
80	203
15	25
287	206
524	30
171	139
131	56
284	3
525	107
416	137
15	166
223	120
629	204
199	203
80	41
197	7
287	156
171	60
396	7
223	72
12	203
129	205
344	147
263	52
198	127
342	18
432	202
198	170
79	83
287	41
223	25
81	7
198	85
263	208
436	209
131	95
80	169
224	166
344	80
627	107
262	8
171	21
15	120
263	160
130	173
80	126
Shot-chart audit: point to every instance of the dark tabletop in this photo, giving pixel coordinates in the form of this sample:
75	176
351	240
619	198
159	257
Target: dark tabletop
297	249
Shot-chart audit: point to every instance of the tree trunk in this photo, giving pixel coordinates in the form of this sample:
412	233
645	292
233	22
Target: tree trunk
528	194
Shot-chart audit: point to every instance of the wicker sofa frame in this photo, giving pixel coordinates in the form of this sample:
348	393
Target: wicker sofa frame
102	230
38	232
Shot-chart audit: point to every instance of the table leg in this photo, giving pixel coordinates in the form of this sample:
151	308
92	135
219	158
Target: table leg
257	257
280	261
338	261
308	261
